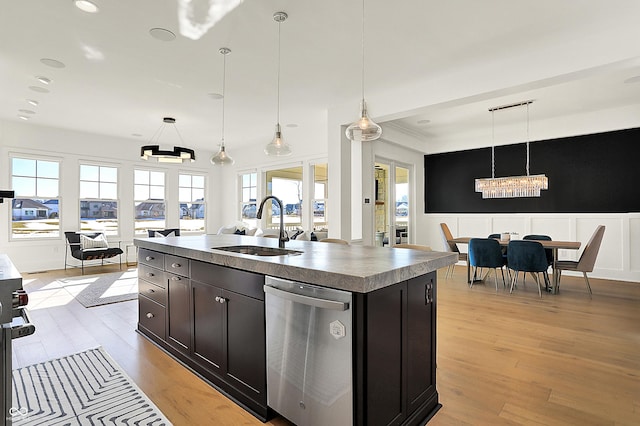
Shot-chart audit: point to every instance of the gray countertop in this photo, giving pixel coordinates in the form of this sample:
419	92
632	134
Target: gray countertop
355	268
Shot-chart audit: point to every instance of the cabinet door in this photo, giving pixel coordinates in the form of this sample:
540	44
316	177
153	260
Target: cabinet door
245	344
384	348
179	314
421	349
208	316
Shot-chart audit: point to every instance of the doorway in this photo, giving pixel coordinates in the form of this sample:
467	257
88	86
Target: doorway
392	203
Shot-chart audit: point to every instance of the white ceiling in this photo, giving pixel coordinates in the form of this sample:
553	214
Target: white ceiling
442	61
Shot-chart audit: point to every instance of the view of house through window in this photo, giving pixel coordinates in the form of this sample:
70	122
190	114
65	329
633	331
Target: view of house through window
149	200
99	199
35	210
286	184
192	207
320	194
248	195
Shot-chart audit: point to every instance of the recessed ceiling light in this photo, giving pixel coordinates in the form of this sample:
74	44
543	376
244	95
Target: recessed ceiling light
52	63
86	6
43	80
215	96
39	89
291	125
635	79
32	102
424	121
23	117
162	34
26	111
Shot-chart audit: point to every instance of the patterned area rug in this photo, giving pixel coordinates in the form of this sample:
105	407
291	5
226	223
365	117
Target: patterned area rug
101	289
87	388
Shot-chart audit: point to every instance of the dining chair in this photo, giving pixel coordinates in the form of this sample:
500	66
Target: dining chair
587	259
538	237
486	253
413	246
334	240
527	256
451	247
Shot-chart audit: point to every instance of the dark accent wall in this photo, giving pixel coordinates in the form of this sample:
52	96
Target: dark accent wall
597	173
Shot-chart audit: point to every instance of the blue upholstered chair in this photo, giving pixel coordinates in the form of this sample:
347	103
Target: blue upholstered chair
486	253
527	256
548	252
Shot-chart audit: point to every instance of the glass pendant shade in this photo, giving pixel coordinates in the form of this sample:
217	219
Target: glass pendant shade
365	129
222	158
278	147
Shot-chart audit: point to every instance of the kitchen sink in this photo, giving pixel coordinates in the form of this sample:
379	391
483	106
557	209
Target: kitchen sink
259	250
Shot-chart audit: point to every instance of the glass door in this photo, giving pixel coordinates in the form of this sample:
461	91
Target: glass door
392	203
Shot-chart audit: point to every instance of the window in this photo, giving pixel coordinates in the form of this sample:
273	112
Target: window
192	207
35	212
320	193
148	194
99	199
248	196
286	184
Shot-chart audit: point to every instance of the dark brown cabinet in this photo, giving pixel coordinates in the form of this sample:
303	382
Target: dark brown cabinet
395	363
212	319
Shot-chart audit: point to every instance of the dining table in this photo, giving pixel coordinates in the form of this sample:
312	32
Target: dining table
554	245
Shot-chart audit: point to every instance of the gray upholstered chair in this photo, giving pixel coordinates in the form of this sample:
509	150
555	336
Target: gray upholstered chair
451	247
587	259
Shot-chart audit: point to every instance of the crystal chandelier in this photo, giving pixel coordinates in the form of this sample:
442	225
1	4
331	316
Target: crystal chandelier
511	186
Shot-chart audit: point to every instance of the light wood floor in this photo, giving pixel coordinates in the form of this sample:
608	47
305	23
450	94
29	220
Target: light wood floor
502	359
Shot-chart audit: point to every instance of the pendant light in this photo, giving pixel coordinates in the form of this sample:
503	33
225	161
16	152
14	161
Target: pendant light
278	147
364	129
153	151
511	186
222	158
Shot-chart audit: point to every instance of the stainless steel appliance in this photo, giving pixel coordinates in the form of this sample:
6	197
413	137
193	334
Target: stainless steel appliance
14	323
309	353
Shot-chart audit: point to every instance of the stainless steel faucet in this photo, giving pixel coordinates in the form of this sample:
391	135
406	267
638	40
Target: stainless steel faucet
283	238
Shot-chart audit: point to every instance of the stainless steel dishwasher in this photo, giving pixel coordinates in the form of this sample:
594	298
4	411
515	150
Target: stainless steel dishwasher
309	347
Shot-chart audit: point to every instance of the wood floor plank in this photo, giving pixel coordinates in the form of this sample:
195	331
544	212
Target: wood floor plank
503	359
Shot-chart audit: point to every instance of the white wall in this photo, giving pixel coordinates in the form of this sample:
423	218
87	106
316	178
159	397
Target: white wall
618	258
72	148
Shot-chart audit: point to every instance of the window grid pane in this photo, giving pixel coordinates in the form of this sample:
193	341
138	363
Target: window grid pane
35	211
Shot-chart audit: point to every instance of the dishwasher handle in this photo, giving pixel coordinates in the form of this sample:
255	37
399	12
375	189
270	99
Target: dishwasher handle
307	300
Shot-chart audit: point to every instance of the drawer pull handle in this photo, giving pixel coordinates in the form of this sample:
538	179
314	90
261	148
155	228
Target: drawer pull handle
220	299
175	265
176	278
151	290
150	315
149	258
150	274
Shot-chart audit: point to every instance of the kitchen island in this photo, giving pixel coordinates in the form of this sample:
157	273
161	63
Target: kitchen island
206	308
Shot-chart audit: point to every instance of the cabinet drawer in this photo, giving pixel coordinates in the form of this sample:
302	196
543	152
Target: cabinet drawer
151	316
153	292
176	265
151	258
242	282
153	275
